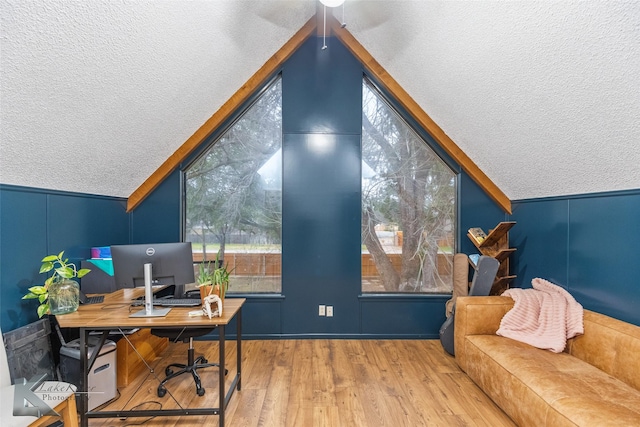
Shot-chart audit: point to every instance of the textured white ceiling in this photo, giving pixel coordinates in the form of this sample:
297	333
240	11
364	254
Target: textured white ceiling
543	96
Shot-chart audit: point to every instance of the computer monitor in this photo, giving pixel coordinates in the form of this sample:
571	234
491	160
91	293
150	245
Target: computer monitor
172	264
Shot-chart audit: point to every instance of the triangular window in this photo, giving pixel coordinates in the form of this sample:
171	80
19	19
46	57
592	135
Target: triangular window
234	197
408	205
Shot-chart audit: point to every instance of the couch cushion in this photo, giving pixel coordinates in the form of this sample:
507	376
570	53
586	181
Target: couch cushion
610	345
541	388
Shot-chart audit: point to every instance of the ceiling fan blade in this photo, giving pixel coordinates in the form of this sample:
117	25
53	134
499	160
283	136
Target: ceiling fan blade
365	14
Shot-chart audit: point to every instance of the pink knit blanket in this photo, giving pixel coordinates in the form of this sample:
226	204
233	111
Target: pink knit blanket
544	317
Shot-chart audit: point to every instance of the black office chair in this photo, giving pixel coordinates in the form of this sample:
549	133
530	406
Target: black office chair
192	366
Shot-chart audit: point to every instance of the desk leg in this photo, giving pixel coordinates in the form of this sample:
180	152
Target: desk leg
222	378
239	344
83	404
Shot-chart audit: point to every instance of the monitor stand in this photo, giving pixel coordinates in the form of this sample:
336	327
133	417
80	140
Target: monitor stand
149	310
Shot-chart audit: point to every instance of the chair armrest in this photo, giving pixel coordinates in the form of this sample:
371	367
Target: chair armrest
477	316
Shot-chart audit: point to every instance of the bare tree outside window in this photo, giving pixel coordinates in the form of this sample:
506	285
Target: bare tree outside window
233	197
408	205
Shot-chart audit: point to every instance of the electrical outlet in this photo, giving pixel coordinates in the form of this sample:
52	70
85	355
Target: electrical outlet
329	311
321	310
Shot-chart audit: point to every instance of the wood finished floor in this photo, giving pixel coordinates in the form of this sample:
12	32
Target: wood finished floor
321	383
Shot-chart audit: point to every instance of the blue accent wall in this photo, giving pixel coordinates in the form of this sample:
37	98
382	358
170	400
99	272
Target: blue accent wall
322	98
586	244
158	218
476	209
322	90
321	104
321	232
35	223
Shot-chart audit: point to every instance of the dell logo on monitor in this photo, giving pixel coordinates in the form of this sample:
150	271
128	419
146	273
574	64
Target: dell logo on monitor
150	251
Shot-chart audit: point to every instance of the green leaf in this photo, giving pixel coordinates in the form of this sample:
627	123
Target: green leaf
46	266
43	309
83	271
42	298
49	281
30	295
65	272
49	258
38	290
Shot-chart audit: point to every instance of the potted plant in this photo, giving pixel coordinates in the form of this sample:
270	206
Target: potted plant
213	279
59	294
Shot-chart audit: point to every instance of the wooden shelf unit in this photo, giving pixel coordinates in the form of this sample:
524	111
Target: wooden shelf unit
496	245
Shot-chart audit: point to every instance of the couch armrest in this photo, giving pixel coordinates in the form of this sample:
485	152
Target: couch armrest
477	316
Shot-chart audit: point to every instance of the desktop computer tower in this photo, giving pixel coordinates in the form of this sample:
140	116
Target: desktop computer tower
102	385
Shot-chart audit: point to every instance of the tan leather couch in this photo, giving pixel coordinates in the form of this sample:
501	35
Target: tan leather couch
594	382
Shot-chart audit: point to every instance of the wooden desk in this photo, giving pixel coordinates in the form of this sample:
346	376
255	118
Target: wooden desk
114	313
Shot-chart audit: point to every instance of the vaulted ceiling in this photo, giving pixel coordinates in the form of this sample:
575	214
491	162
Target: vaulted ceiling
543	96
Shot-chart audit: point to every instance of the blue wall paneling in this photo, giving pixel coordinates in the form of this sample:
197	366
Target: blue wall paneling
73	221
23	240
604	271
321	232
542	253
322	100
476	209
158	218
322	90
586	244
400	316
35	223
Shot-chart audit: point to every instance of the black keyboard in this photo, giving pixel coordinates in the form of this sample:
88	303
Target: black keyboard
178	302
171	302
96	299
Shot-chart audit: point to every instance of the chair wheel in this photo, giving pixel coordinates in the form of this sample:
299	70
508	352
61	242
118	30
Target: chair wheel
204	360
200	391
162	391
168	371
